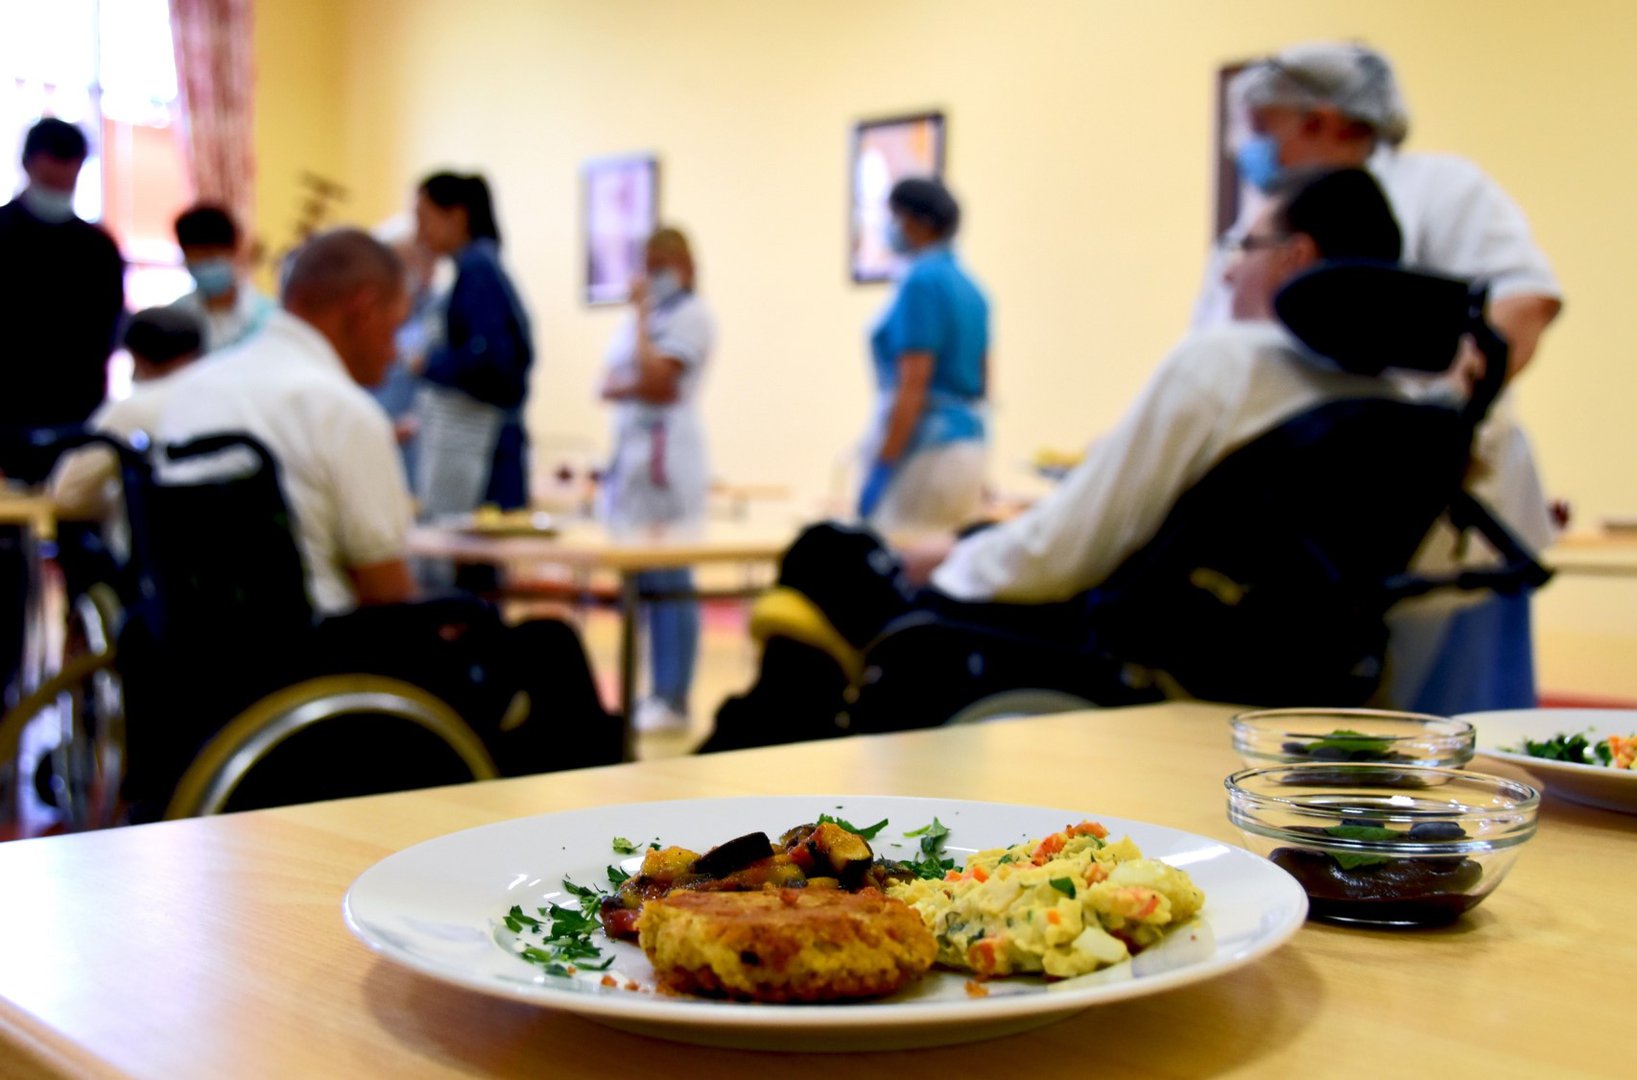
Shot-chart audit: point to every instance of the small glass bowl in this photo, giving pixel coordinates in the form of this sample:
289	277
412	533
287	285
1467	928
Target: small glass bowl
1273	736
1385	845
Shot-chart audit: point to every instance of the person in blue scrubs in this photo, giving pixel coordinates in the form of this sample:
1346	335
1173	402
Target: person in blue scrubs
926	452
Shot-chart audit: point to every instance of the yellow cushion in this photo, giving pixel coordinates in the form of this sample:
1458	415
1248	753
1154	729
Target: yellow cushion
782	612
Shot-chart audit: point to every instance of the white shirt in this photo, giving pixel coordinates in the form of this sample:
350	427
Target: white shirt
660	472
1455	221
86	482
342	476
1219	389
222	329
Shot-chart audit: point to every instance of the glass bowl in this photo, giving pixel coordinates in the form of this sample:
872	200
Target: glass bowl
1272	736
1385	844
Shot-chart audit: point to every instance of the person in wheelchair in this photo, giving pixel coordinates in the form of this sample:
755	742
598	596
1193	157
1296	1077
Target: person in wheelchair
1066	578
298	390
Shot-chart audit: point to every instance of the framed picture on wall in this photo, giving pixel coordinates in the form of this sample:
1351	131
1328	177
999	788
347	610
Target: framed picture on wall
1230	188
883	153
621	210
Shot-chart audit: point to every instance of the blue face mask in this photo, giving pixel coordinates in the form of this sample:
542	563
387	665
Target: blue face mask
663	285
1258	161
896	240
215	277
51	207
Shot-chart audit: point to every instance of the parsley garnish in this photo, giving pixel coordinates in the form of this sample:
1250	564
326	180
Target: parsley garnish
930	863
623	846
867	832
1350	742
617	877
1350	861
1570	748
1063	885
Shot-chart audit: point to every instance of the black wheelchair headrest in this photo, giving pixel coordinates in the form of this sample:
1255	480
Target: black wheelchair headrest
1367	317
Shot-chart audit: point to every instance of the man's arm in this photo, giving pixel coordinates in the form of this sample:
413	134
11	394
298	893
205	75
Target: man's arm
383	583
1521	320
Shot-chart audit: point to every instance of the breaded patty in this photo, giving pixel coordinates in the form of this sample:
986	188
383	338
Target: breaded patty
785	945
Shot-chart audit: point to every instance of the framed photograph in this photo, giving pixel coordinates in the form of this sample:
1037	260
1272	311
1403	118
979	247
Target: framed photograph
621	211
885	152
1230	189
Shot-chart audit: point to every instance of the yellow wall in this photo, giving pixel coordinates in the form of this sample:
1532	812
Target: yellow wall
1079	142
299	55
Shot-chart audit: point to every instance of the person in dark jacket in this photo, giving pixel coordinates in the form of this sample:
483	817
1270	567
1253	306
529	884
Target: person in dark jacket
62	293
471	444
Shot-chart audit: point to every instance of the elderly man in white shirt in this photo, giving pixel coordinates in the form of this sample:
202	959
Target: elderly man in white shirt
1339	105
298	388
1219	389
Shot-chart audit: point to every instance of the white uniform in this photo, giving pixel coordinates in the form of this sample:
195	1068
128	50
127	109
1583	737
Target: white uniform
338	461
1219	389
224	329
659	472
1455	221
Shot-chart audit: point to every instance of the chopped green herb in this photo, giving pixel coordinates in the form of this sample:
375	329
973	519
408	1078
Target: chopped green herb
617	877
1064	885
1362	832
1570	748
931	863
584	894
867	832
1351	742
624	846
653	845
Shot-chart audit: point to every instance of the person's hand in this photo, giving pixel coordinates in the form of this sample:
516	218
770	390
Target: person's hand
920	557
639	292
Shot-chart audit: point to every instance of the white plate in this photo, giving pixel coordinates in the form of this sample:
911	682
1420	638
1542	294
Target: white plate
437	908
1594	785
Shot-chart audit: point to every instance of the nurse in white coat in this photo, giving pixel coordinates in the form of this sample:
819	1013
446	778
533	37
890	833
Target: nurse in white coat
659	474
1339	105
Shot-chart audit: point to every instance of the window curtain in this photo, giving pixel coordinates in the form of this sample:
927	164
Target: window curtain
214	73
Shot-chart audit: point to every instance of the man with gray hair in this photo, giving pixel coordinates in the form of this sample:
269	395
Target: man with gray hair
1339	105
298	387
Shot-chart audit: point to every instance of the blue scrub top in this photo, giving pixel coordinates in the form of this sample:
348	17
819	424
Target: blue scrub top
940	310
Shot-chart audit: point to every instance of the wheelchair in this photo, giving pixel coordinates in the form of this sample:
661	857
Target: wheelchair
192	683
1268	583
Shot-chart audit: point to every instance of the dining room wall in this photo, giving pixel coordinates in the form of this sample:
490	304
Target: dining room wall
1080	141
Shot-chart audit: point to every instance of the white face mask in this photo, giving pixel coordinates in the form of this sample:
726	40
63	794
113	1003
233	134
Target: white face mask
51	207
663	285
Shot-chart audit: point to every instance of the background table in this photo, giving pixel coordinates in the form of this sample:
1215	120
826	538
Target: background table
585	547
215	947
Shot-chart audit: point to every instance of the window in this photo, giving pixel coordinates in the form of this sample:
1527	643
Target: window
108	66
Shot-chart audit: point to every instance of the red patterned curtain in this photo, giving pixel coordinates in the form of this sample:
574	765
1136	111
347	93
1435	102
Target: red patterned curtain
215	73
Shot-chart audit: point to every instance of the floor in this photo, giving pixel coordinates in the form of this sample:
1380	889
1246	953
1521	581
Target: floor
726	666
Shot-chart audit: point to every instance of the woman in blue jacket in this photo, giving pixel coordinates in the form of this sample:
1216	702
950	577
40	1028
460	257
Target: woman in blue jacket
476	375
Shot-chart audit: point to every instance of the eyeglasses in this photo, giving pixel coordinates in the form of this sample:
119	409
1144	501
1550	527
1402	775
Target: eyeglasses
1241	245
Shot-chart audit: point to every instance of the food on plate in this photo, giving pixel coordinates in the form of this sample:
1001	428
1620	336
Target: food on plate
826	855
1409	891
1616	751
1064	905
785	944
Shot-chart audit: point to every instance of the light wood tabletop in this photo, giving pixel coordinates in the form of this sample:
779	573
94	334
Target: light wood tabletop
586	545
216	948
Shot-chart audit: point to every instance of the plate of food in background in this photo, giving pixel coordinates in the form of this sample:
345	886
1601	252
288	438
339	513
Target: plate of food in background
823	922
1584	755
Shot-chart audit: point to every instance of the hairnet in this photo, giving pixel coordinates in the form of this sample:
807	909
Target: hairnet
927	200
1356	80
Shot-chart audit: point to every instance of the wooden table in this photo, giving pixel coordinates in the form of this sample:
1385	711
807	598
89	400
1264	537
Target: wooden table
1596	554
584	547
215	947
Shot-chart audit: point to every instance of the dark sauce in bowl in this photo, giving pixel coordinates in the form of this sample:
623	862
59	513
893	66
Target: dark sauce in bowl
1382	890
